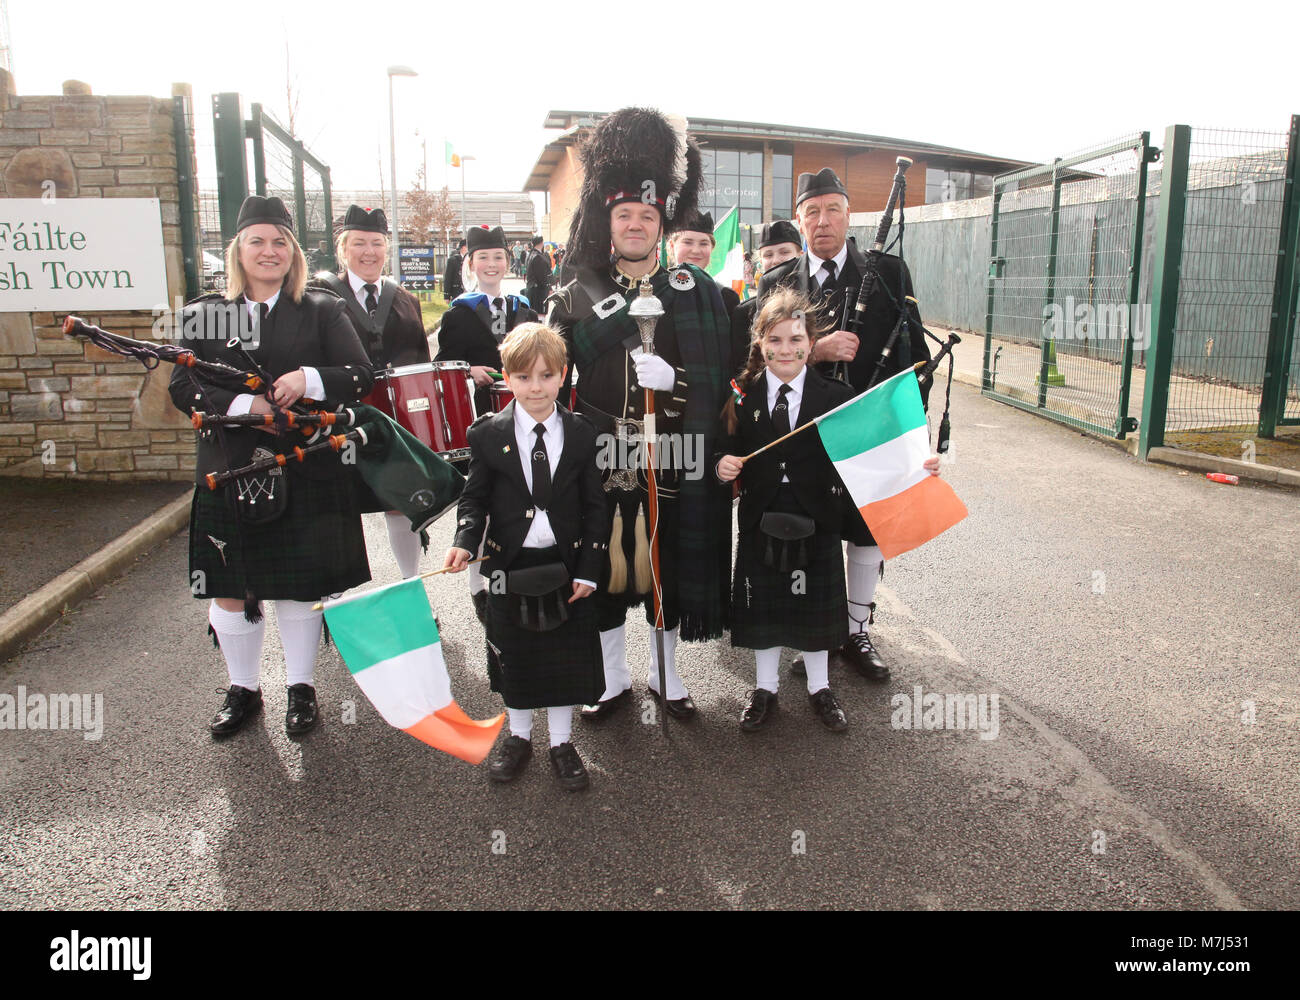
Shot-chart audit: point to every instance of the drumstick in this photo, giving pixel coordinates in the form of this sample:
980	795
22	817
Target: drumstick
432	572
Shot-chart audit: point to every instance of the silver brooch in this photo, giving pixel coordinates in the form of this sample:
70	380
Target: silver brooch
681	279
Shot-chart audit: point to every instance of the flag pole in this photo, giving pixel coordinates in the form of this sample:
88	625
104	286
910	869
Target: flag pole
422	576
804	427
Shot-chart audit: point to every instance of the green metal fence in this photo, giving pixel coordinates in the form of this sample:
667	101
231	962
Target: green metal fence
281	167
1225	296
1064	283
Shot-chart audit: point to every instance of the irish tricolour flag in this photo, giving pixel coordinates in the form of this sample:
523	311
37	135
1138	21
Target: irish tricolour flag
878	441
389	641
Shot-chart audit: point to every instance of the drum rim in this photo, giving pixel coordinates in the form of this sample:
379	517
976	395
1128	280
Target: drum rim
424	367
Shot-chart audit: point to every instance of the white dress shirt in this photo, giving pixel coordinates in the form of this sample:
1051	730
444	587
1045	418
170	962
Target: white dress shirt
792	398
359	283
243	403
540	535
815	267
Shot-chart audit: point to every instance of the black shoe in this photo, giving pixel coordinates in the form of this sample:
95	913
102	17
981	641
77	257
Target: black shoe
861	655
797	668
510	759
762	705
604	709
568	767
302	714
678	708
480	606
828	710
240	705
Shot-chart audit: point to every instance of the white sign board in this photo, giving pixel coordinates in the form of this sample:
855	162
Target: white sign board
81	254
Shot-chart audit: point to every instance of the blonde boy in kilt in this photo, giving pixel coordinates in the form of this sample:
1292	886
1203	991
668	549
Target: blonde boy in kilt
535	489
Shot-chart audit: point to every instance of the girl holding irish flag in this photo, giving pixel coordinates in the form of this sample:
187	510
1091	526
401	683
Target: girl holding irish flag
788	585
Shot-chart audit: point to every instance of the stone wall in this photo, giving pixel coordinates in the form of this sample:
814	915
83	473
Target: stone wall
68	408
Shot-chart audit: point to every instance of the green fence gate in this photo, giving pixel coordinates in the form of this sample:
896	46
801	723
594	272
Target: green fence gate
1064	285
282	167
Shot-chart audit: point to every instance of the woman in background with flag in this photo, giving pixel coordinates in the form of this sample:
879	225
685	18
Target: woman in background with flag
693	244
788	585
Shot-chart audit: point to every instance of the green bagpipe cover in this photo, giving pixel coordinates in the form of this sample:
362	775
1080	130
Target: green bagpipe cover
402	471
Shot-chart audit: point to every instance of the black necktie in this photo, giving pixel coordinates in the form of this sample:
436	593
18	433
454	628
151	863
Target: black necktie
497	304
263	325
781	411
541	471
372	303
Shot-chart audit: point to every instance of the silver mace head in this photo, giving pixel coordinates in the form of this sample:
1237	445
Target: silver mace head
646	310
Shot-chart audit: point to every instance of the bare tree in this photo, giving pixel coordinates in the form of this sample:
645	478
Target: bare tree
292	94
444	216
419	209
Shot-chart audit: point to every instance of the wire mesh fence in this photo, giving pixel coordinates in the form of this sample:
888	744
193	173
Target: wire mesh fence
1062	308
1232	230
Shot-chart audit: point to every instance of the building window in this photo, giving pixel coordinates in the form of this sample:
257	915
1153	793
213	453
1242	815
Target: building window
732	177
955	185
782	185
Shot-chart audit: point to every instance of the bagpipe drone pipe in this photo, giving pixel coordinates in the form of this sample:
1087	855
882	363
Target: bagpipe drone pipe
905	305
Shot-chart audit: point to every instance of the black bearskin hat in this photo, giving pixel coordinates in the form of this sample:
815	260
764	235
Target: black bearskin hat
626	150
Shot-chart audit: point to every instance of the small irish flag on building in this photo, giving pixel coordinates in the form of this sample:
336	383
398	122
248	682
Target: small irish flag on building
878	442
389	641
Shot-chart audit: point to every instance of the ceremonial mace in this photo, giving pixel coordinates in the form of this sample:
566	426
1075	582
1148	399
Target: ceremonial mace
646	310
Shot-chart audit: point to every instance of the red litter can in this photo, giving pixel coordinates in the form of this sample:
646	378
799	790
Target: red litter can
1222	477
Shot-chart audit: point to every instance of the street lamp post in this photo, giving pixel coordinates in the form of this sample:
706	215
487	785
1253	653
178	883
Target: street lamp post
394	254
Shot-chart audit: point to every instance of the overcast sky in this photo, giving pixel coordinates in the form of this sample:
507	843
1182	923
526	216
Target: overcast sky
1022	80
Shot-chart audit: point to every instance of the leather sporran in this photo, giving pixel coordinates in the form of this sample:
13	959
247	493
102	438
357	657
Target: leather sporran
785	540
260	497
539	596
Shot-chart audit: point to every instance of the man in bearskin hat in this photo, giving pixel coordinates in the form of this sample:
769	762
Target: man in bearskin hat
830	273
640	173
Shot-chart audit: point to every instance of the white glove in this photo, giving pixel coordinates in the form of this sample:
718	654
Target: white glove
653	372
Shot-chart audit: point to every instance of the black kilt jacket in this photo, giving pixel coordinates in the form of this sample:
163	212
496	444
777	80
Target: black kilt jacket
312	333
742	319
538	280
396	335
497	489
317	546
812	476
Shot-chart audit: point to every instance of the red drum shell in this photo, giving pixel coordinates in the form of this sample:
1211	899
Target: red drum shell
434	401
501	396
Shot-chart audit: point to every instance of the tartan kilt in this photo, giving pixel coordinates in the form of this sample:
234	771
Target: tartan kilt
315	548
544	669
766	611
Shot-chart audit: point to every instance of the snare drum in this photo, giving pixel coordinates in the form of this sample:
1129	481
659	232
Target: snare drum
433	400
501	396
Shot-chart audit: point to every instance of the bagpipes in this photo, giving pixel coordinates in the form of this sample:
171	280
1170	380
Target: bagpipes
399	468
856	323
150	355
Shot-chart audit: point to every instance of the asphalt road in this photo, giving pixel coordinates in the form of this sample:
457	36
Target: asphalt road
1122	775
